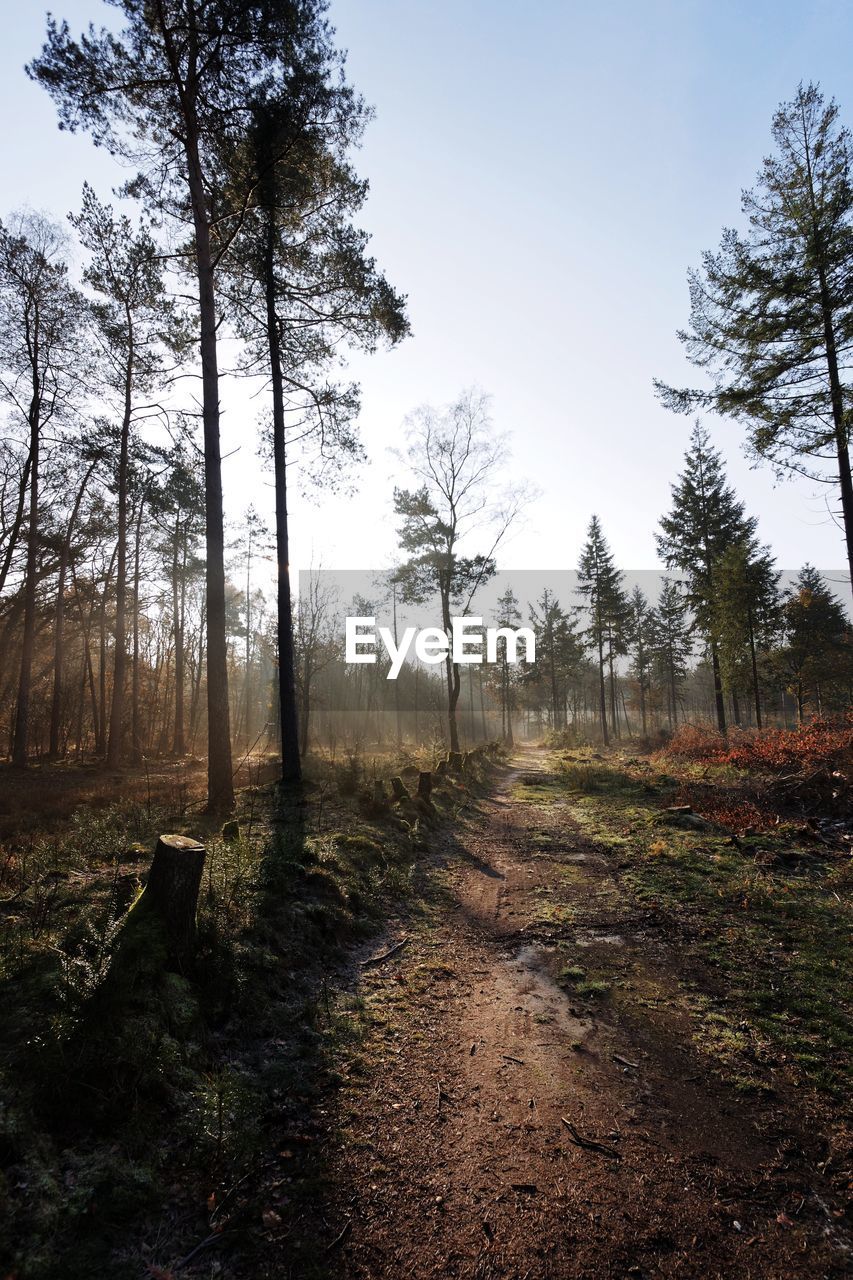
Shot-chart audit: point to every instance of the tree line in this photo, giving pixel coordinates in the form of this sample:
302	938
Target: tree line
123	629
720	639
238	123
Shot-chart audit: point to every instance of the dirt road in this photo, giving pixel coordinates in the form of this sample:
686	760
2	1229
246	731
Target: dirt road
534	1104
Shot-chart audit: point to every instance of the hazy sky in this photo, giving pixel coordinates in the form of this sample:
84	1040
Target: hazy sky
542	175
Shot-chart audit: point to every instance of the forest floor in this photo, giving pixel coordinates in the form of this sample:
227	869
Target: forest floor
586	1017
599	1052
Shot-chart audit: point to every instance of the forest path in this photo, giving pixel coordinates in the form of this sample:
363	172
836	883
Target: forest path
540	995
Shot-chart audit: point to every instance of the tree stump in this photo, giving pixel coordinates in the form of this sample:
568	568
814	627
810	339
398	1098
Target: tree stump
454	762
399	789
380	799
171	893
424	786
441	768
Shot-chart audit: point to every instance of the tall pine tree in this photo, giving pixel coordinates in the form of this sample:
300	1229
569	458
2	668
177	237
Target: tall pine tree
771	313
600	584
745	618
173	93
706	519
671	645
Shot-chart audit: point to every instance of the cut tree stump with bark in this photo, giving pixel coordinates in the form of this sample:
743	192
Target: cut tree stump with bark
399	788
171	893
424	786
380	798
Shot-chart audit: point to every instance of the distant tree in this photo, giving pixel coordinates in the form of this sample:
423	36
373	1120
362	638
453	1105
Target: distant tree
134	324
42	334
641	646
705	520
671	645
316	645
507	615
177	505
253	544
600	584
455	459
87	461
772	312
558	650
745	617
816	647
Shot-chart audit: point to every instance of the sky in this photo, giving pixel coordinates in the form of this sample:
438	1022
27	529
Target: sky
542	176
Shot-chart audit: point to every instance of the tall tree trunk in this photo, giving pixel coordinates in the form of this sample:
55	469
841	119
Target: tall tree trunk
20	747
555	716
602	692
614	707
178	738
642	692
291	765
306	711
840	426
135	715
625	712
220	782
756	687
451	670
15	531
506	701
397	708
59	621
718	688
452	700
196	693
248	719
115	749
673	718
101	729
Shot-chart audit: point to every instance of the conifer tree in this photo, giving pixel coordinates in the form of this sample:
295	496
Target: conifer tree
173	93
706	519
816	639
600	583
508	615
557	650
671	645
771	316
641	644
745	617
302	284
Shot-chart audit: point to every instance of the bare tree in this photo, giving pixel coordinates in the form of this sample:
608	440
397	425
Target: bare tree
316	646
41	328
455	459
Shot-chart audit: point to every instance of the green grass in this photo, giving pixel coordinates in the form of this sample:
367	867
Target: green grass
773	940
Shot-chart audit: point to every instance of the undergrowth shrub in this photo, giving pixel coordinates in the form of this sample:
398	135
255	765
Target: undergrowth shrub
820	744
